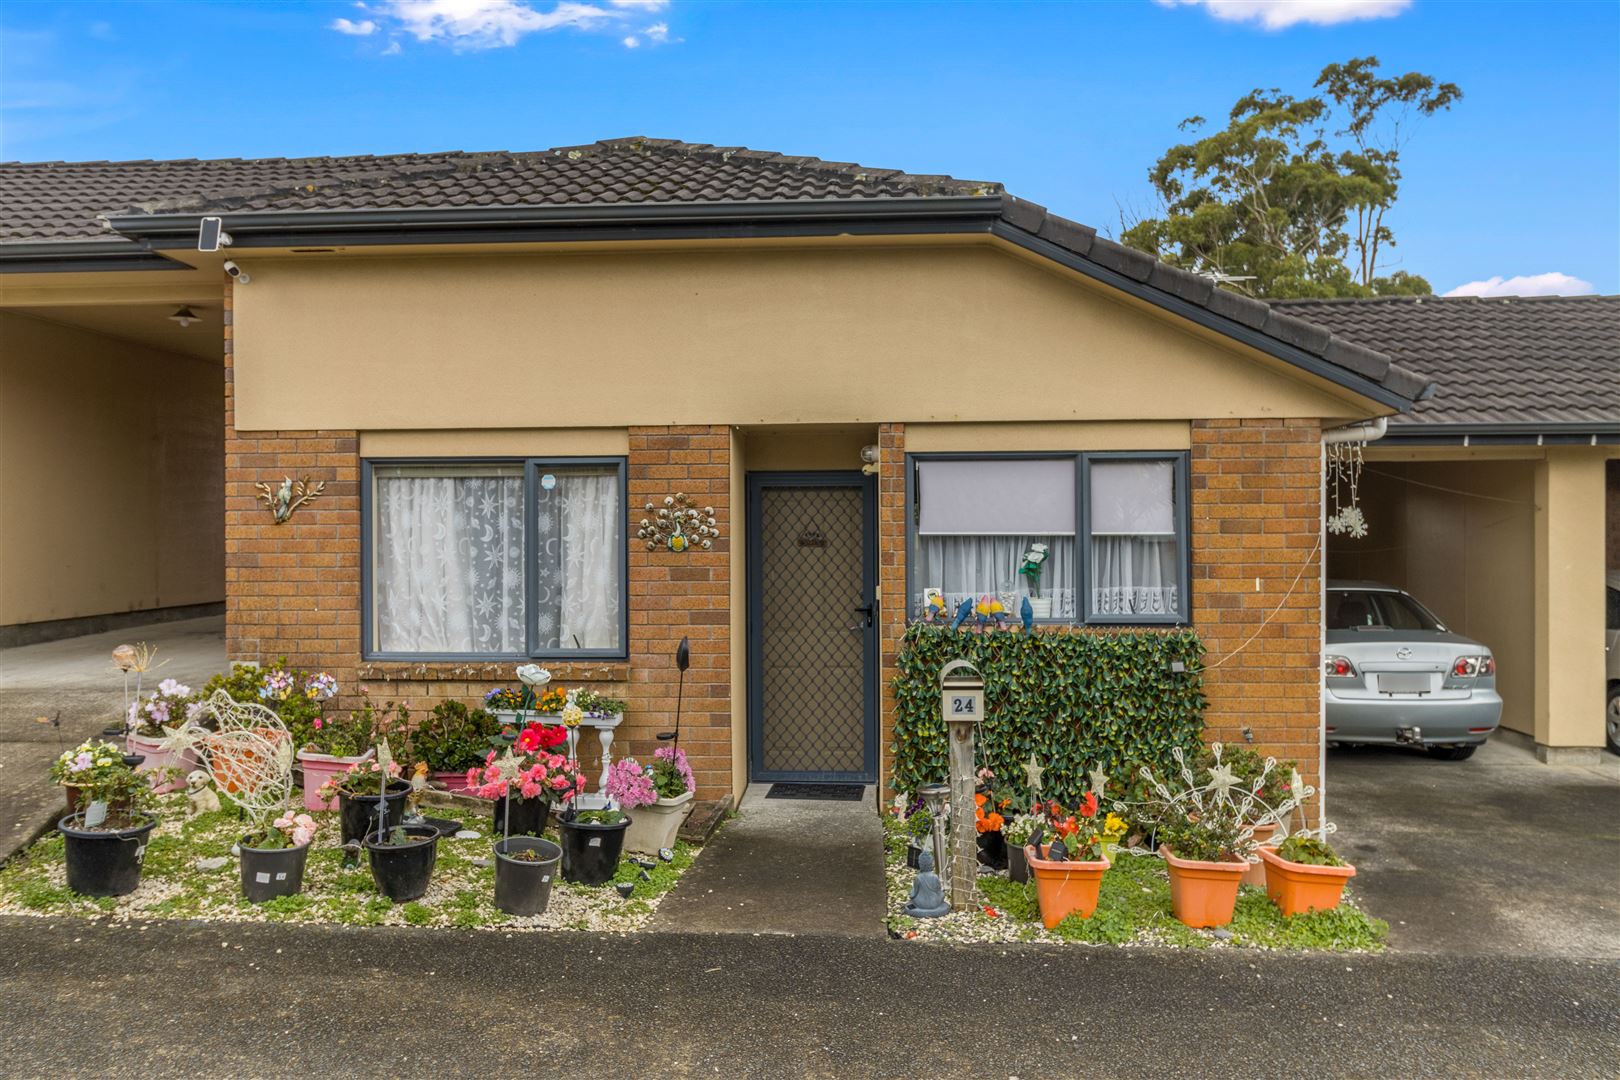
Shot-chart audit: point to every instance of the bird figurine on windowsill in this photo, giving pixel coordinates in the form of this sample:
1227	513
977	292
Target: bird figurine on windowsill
963	610
1026	615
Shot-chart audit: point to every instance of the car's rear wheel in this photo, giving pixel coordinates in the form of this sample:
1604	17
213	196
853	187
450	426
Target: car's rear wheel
1611	719
1453	753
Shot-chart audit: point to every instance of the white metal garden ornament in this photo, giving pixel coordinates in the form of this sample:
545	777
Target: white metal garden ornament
250	747
1344	462
1223	790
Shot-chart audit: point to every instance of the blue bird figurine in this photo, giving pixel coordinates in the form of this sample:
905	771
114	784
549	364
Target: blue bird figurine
963	610
1026	615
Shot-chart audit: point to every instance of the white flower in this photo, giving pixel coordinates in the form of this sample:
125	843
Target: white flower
533	675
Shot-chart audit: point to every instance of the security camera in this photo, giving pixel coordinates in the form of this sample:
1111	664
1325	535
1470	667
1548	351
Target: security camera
237	272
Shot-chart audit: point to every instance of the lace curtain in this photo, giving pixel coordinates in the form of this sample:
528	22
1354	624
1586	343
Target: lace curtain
577	565
449	562
1134	552
970	566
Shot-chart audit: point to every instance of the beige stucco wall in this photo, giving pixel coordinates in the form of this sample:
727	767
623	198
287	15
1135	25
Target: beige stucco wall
111	475
1057	435
1470	559
807	449
1569	559
495	442
858	335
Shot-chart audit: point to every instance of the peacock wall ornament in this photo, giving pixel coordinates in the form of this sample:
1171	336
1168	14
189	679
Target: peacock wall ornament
678	525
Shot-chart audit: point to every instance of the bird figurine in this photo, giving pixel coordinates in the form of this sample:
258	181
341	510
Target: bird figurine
419	784
934	607
963	610
1026	615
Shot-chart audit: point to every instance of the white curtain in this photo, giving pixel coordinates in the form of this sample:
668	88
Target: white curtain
448	550
581	537
1134	575
971	566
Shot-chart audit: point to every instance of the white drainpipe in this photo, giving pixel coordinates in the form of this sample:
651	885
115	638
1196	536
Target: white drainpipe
1365	431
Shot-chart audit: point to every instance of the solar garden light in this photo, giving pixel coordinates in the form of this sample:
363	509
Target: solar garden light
683	660
962	705
937	798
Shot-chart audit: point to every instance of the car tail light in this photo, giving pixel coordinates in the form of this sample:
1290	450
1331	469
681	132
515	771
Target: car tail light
1466	667
1338	667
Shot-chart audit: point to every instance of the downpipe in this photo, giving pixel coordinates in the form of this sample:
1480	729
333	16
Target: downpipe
1365	431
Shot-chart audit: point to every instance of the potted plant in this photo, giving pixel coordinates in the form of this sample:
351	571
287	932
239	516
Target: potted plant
451	740
919	826
519	706
1068	871
988	820
170	706
1262	786
525	867
656	797
523	786
592	841
106	839
1018	832
402	859
1305	874
331	745
1034	563
597	705
1206	854
273	857
359	793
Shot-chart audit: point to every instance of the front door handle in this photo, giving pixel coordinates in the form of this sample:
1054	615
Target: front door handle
866	620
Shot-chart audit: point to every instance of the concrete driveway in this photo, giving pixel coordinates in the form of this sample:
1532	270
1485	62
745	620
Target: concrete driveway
1496	855
74	681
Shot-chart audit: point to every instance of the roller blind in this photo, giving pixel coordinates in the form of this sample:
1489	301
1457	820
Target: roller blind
996	497
1133	498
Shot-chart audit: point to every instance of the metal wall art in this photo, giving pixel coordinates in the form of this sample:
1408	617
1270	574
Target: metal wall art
678	525
283	500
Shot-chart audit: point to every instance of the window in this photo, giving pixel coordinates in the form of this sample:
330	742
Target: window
506	559
1358	610
1114	527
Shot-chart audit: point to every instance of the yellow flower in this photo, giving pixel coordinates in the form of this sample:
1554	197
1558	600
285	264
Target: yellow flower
1114	825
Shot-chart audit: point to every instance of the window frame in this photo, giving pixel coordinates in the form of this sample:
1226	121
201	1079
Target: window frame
532	469
1083	460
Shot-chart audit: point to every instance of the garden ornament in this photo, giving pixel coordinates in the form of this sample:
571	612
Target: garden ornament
1026	615
1099	780
927	893
963	610
683	660
1225	790
933	606
625	888
282	501
1033	771
678	525
250	753
200	797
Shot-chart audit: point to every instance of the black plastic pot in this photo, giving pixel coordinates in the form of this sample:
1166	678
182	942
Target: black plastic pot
104	862
271	872
1017	866
521	887
590	853
358	813
529	816
402	871
993	850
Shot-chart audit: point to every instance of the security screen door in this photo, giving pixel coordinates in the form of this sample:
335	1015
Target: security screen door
812	635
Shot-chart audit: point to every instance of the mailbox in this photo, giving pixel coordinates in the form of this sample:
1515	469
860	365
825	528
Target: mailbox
961	692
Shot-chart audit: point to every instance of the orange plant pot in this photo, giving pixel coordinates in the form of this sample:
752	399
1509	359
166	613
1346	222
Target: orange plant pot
1256	873
1297	888
1203	894
1064	888
230	764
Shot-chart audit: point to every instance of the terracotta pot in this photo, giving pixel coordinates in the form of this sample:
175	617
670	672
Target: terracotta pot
1064	888
1296	888
159	760
653	827
229	761
318	769
1203	894
1256	873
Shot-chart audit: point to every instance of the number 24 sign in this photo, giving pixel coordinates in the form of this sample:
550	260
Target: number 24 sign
963	706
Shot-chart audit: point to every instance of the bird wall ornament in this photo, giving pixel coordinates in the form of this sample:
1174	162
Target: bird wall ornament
282	501
678	525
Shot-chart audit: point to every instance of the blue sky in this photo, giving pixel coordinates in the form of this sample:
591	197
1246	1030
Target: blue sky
1066	104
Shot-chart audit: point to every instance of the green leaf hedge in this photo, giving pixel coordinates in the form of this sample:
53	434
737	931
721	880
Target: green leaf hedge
1075	699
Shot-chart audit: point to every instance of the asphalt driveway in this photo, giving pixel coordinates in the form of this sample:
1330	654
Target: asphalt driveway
1496	855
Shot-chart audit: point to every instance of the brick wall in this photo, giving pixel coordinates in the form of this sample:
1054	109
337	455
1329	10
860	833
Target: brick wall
892	600
1256	513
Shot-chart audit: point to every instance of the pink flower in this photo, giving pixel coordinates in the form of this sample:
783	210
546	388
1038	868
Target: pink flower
317	723
530	789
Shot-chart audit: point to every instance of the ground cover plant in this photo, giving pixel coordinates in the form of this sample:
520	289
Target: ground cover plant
183	877
1133	909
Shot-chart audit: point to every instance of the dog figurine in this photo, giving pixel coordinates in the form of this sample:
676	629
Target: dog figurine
200	798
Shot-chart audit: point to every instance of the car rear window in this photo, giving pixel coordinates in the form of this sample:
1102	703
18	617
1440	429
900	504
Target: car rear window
1359	609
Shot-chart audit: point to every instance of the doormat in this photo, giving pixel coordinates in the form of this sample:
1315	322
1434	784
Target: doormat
832	792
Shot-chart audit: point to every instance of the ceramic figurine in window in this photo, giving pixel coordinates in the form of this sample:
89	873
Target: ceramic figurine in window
991	612
933	606
1026	615
963	610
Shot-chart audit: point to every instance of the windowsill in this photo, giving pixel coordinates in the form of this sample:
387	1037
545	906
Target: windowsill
494	672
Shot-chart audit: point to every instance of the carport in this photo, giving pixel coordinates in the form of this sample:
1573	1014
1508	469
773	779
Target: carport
1495	502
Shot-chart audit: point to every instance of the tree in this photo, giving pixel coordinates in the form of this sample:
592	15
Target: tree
1290	198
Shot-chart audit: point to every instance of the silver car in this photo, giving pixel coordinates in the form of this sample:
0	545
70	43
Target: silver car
1394	674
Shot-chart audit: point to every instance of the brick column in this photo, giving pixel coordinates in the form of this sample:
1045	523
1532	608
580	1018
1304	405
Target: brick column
688	594
892	512
293	589
1256	519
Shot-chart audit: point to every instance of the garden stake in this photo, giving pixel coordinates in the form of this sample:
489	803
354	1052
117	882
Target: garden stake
683	660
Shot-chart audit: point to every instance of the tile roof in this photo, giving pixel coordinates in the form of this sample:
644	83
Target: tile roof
67	202
1498	360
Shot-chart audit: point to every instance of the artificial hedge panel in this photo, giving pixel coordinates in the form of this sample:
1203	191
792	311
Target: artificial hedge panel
1075	699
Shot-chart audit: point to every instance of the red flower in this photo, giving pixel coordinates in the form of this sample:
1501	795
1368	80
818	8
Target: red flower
992	912
1088	805
539	737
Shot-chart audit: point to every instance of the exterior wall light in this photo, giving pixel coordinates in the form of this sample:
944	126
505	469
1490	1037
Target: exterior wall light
185	317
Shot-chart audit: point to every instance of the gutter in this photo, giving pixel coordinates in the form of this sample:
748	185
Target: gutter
35	257
1562	433
1365	431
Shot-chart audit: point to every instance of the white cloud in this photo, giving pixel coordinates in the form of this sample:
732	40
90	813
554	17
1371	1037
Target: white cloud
356	29
658	31
488	24
644	5
393	49
1548	284
1281	14
632	42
